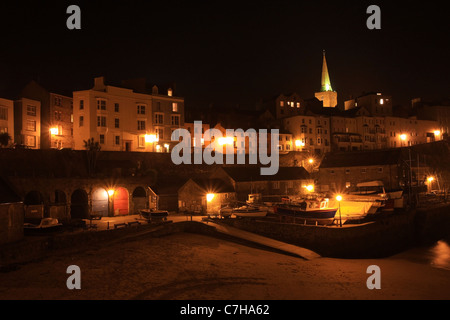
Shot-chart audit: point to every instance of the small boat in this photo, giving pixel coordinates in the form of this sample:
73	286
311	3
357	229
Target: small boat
249	212
308	210
151	214
45	225
226	212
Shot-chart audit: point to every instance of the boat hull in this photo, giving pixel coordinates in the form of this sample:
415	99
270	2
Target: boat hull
313	215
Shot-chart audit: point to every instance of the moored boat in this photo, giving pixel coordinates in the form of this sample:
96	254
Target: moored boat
308	210
45	225
154	214
249	212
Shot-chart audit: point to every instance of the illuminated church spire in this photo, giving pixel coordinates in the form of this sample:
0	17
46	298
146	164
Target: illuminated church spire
326	94
326	83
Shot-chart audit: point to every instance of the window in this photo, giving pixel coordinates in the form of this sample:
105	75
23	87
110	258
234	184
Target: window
380	170
141	125
116	107
101	104
160	133
31	125
3	113
71	117
31	141
175	120
101	121
116	123
347	171
81	121
31	111
58	101
298	104
140	109
159	118
58	115
276	185
174	107
102	139
81	104
141	142
363	171
281	103
117	140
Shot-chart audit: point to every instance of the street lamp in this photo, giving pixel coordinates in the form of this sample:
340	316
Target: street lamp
110	193
403	137
430	183
339	199
437	134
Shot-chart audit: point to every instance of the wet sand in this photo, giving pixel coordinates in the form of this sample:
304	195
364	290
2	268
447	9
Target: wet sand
195	267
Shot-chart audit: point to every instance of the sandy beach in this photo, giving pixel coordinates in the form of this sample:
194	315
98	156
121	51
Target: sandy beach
189	266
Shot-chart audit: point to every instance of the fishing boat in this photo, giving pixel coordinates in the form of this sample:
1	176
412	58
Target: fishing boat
45	225
154	214
249	212
307	210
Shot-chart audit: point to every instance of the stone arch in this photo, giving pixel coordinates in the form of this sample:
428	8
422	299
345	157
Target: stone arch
33	197
60	197
121	201
79	204
139	199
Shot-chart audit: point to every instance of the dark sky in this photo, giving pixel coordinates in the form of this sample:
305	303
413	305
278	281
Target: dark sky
230	52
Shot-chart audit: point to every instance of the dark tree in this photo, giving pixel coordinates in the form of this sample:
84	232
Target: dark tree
93	148
5	138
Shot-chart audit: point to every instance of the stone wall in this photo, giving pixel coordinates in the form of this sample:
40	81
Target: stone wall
11	222
371	240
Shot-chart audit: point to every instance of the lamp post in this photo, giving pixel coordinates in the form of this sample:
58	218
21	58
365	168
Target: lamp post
430	183
110	203
339	199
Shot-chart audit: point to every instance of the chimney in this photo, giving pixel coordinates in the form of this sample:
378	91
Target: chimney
99	83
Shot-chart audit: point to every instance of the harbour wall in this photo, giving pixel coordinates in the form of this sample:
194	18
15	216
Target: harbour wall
385	237
11	222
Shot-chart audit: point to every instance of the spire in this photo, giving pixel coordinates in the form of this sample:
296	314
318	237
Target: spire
326	84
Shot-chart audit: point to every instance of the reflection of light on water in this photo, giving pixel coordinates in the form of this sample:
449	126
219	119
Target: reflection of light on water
441	255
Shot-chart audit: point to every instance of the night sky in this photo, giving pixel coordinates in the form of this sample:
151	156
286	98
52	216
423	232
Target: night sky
229	53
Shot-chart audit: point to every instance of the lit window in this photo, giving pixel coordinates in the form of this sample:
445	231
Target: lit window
174	107
381	101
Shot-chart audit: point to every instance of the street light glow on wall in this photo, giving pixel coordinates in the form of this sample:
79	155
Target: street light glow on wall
54	131
403	137
150	138
210	197
111	192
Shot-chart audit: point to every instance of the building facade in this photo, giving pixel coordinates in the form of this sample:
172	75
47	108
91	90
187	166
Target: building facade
56	116
123	119
7	117
27	123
